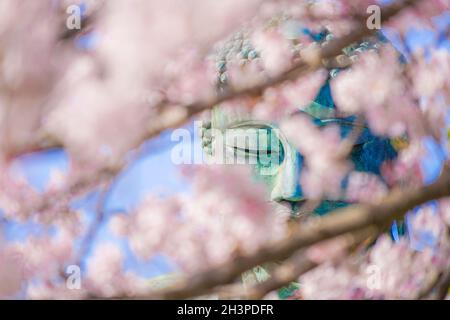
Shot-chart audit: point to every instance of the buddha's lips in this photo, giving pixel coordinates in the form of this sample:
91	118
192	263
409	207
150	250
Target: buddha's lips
288	207
302	207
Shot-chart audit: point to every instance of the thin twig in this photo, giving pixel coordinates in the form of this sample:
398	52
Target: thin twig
88	240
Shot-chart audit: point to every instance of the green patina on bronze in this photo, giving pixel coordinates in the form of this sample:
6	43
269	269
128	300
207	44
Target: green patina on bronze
282	178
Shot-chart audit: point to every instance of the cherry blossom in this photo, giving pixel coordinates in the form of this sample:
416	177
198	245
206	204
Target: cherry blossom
324	164
162	226
389	109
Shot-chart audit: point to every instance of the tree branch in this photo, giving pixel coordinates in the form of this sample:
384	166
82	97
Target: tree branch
164	113
319	58
442	287
339	222
299	264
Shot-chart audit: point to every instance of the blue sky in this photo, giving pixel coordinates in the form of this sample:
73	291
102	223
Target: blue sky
153	172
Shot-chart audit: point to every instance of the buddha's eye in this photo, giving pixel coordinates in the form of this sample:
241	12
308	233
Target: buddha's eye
257	145
256	152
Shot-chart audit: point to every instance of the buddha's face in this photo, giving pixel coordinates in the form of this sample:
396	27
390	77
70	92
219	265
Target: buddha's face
263	145
276	162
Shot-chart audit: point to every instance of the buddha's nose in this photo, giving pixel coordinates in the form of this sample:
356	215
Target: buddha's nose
284	207
287	186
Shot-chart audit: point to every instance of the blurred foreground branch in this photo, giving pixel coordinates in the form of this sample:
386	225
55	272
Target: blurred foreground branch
312	61
166	117
337	223
299	263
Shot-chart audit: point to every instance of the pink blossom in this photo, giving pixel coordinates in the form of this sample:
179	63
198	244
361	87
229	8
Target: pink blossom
406	170
444	210
275	51
430	74
389	109
419	15
332	282
365	187
403	271
105	265
190	79
174	24
203	229
325	166
390	271
11	272
281	102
